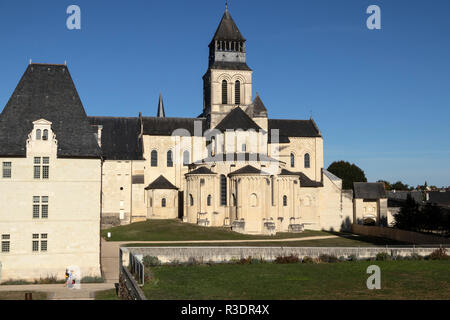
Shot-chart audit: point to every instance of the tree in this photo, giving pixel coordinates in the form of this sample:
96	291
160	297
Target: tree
408	215
387	185
349	173
400	186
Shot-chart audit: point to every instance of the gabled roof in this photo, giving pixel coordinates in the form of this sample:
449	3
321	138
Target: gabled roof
247	170
237	119
154	126
305	182
200	171
47	91
120	137
227	29
161	183
294	128
259	109
370	191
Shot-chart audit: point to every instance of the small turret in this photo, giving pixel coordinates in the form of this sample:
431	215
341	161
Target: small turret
161	112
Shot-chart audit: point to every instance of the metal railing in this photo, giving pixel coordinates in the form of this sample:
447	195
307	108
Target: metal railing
137	269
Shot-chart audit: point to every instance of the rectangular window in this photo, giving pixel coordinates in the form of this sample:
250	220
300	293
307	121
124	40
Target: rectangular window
41	165
39	242
7	170
45	172
37	172
6	244
40	207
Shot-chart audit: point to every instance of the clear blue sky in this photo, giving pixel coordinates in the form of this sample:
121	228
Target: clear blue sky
381	98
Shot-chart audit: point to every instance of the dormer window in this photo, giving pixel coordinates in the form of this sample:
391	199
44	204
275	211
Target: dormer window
38	134
42	129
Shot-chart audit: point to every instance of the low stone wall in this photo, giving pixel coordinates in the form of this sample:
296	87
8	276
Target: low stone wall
224	254
399	235
128	287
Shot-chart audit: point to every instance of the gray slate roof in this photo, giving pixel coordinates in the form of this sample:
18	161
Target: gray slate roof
47	91
237	119
154	126
402	195
120	137
247	170
305	182
294	128
224	65
370	191
201	170
227	29
439	198
161	183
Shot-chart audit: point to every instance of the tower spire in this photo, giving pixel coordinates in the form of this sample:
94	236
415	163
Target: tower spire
161	112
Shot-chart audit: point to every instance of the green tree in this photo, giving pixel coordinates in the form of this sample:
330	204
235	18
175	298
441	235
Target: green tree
408	216
387	185
349	173
400	186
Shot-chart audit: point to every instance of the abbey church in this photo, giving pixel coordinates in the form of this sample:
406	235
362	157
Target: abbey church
64	174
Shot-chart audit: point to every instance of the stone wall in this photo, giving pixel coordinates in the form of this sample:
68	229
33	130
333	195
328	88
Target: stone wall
224	254
399	235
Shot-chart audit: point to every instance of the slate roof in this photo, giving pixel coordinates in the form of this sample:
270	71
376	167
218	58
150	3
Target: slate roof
305	182
47	91
227	29
224	65
247	170
154	126
120	137
402	195
201	170
161	183
370	191
238	157
259	109
439	198
294	128
237	119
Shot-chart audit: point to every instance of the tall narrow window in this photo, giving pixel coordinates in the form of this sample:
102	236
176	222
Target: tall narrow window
45	168
191	200
208	201
6	243
170	159
7	170
163	202
237	96
45	135
37	168
223	190
186	158
307	161
244	148
224	92
292	160
154	158
285	201
38	134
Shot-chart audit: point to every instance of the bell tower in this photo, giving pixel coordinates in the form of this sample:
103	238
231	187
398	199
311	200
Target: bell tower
228	81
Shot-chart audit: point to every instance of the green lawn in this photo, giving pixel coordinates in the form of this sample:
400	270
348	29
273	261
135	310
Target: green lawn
175	230
18	295
346	280
106	295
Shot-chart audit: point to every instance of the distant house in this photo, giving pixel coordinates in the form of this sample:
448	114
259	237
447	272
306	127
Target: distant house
370	204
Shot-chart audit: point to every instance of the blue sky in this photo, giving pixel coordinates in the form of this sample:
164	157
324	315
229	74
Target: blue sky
380	97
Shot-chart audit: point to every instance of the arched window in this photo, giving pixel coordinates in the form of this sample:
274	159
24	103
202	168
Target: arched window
244	147
292	160
213	146
170	159
285	201
186	158
154	158
223	190
253	200
45	135
237	96
234	200
208	201
191	200
38	134
307	161
163	202
224	92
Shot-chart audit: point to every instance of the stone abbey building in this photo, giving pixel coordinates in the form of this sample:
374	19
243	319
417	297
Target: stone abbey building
64	174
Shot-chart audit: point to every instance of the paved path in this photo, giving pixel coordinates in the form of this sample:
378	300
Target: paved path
110	251
60	292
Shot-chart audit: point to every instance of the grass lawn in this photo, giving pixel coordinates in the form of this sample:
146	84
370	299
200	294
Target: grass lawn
175	230
346	280
17	295
106	295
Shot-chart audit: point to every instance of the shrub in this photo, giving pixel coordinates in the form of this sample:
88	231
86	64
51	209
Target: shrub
342	259
257	261
174	263
245	261
89	279
326	258
383	256
49	280
287	259
307	259
438	254
151	261
15	282
193	262
352	257
415	256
